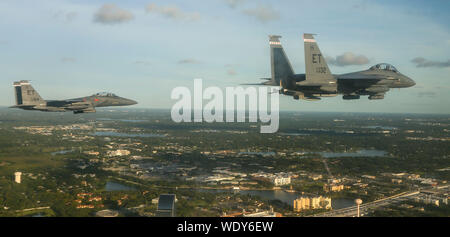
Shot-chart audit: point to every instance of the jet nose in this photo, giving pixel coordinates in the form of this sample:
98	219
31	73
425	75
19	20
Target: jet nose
131	102
411	82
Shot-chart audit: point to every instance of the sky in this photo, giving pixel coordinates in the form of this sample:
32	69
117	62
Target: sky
143	49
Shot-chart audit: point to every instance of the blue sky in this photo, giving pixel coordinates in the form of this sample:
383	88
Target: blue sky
143	49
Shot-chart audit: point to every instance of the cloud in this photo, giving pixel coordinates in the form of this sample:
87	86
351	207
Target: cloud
189	61
428	94
422	62
347	59
66	16
68	60
111	14
144	63
71	15
234	3
263	14
172	12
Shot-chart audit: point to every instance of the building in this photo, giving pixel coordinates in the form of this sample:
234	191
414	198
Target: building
166	205
308	203
17	177
315	177
155	200
93	153
118	153
280	180
369	176
333	187
257	213
107	213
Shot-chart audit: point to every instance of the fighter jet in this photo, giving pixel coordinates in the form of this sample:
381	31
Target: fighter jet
28	99
318	81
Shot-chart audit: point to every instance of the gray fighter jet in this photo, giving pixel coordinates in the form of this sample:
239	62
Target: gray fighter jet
319	82
27	98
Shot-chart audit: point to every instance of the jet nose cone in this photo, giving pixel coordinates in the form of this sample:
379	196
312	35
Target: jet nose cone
132	102
411	82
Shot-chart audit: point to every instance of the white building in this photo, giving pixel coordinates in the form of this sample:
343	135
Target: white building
119	153
280	180
17	176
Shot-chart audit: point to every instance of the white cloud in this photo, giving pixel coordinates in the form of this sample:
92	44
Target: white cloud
189	61
422	62
144	63
111	14
234	3
66	16
68	60
263	14
172	12
347	59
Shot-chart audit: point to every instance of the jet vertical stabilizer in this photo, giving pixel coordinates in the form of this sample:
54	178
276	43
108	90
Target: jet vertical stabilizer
316	68
280	65
26	95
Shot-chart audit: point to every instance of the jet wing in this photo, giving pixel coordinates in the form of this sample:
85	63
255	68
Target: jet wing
266	83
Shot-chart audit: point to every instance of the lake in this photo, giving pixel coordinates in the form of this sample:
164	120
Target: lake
61	152
118	134
113	186
381	127
262	153
283	196
122	120
360	153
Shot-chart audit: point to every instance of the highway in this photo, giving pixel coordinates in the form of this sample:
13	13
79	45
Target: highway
365	207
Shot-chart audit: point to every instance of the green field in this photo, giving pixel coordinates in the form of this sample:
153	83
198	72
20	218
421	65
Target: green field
10	164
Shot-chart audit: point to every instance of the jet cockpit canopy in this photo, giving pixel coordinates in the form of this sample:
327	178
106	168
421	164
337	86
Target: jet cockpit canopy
384	66
106	94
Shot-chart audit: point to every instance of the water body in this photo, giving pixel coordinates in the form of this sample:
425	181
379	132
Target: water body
306	132
113	186
61	152
118	134
294	134
381	127
122	120
261	153
283	196
360	153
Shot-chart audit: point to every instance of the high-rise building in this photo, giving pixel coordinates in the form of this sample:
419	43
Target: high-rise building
307	203
17	177
166	205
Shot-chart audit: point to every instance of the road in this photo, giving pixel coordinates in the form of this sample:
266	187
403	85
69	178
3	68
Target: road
352	211
365	207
